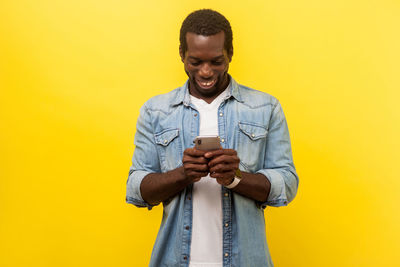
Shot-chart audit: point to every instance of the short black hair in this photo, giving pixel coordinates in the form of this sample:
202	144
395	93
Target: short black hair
206	22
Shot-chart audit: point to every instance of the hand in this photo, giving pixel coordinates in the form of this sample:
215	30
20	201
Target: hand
194	164
223	165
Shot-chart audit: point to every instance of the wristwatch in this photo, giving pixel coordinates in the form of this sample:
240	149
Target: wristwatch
236	180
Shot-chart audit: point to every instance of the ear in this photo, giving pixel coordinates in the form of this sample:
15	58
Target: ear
230	54
181	54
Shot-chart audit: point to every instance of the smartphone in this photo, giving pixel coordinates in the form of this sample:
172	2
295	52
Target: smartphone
207	142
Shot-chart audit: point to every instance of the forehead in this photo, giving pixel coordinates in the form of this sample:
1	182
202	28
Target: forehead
205	45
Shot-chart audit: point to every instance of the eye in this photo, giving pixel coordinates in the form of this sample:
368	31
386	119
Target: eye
194	63
219	62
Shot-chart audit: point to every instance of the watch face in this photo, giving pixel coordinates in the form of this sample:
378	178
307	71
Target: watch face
238	174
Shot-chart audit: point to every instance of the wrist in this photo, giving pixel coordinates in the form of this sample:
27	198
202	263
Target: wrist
236	180
180	177
230	181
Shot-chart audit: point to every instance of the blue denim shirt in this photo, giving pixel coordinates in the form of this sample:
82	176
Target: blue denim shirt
249	121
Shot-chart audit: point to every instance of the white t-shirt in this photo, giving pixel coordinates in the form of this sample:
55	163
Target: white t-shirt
206	246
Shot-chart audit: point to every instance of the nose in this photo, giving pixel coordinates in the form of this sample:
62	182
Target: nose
205	70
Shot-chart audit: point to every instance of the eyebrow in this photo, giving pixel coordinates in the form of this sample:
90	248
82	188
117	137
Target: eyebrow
215	58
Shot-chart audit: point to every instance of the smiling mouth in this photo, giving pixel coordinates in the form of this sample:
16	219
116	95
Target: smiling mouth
206	84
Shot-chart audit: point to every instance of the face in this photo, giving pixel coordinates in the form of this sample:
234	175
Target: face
206	63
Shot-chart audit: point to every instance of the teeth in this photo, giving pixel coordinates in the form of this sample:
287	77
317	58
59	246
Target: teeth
206	83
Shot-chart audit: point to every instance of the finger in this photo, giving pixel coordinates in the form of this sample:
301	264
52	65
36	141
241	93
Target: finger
224	159
195	160
223	175
223	178
215	153
194	152
224	168
195	167
195	176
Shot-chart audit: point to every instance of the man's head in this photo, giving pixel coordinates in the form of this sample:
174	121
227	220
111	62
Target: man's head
206	22
206	51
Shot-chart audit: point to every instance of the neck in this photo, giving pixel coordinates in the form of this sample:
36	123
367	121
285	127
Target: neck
209	98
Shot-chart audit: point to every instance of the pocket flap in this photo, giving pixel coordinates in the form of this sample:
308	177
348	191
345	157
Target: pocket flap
252	130
165	137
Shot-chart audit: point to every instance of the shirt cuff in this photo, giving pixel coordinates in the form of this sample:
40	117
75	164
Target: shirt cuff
133	195
277	194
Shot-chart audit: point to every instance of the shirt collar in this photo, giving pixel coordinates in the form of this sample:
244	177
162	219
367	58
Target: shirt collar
183	94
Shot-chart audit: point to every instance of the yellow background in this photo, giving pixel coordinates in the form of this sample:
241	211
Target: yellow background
73	75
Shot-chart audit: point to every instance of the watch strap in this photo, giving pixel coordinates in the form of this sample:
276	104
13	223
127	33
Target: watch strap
234	183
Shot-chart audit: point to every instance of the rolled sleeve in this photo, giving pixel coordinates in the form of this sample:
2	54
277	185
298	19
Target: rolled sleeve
278	165
144	160
133	195
277	195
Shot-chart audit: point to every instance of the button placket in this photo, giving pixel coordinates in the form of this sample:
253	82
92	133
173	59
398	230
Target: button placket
227	224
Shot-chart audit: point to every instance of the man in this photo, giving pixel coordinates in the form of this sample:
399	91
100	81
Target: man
213	200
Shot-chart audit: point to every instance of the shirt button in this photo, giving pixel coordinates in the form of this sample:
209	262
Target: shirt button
184	257
165	141
226	225
221	114
195	114
252	135
226	194
222	140
187	227
226	254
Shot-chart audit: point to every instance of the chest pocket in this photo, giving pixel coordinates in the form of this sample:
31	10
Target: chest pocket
252	142
169	148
